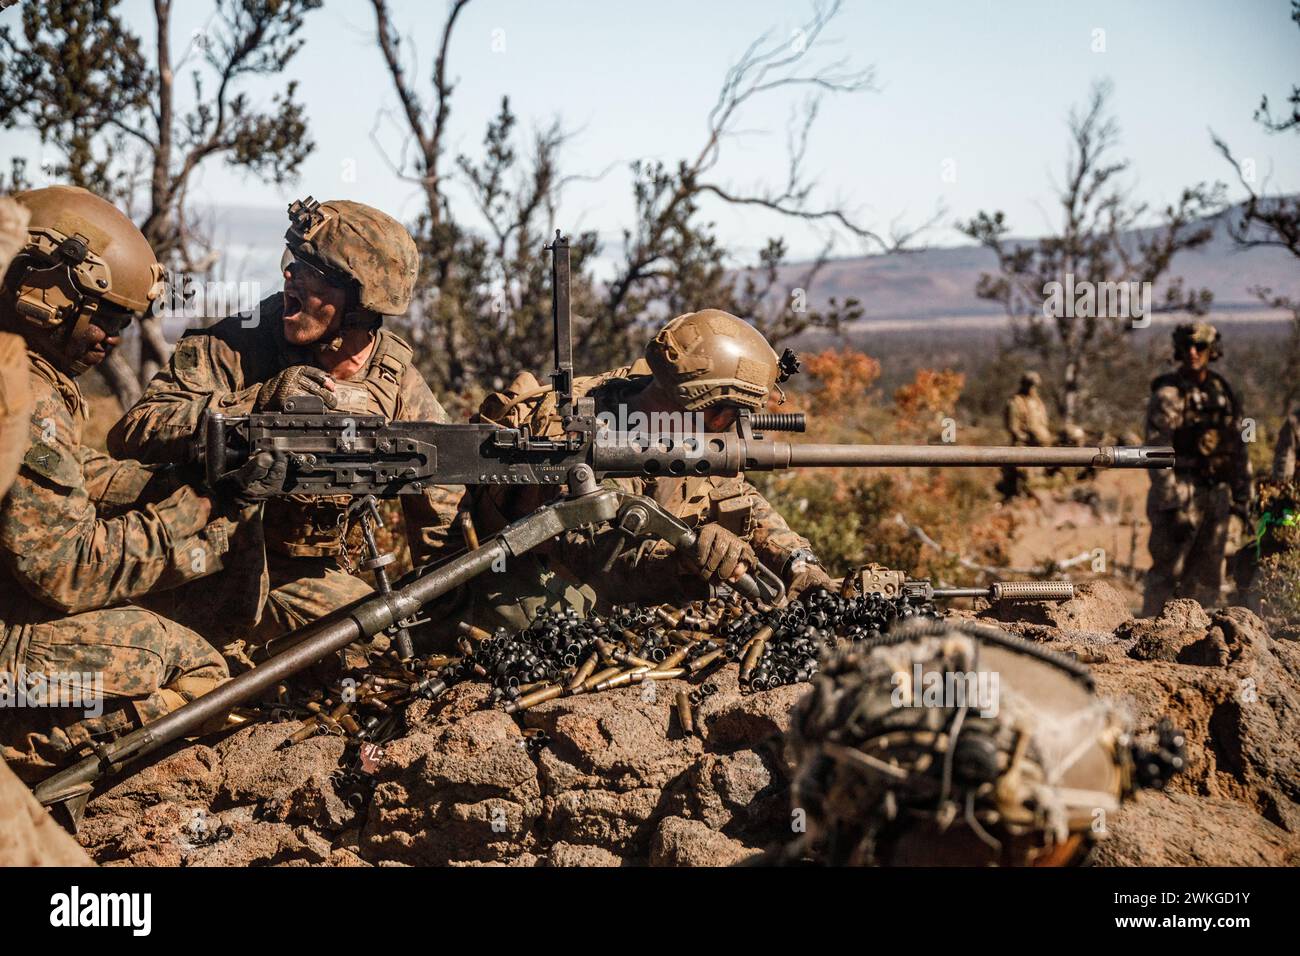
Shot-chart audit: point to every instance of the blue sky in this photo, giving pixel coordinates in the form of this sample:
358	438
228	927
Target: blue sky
978	86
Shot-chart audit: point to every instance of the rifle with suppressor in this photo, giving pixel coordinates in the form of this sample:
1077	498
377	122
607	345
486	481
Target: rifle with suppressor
878	579
330	454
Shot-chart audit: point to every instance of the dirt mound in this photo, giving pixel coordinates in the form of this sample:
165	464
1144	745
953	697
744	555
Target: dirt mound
610	779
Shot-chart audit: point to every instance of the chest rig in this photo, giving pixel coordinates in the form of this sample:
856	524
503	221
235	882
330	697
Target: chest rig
315	526
1208	438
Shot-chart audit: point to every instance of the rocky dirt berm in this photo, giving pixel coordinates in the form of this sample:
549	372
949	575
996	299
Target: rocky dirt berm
616	783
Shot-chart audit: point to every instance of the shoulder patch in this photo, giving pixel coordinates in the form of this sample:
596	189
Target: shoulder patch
49	463
187	355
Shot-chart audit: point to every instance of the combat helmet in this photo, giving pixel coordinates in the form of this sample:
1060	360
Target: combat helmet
1200	333
358	247
83	261
709	357
944	743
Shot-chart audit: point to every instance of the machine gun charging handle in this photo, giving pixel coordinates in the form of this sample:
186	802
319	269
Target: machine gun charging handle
214	447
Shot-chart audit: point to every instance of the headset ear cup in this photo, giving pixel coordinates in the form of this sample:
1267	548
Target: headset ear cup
35	309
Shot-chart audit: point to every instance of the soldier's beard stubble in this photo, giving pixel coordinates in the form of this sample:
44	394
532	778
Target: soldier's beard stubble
310	314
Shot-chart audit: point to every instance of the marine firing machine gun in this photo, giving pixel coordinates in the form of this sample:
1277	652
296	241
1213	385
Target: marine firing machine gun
338	454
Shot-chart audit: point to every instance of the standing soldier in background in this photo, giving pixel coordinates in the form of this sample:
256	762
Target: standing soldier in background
346	266
81	535
703	367
1025	417
1190	507
1288	441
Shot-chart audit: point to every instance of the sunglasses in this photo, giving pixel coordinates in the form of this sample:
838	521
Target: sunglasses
111	318
298	267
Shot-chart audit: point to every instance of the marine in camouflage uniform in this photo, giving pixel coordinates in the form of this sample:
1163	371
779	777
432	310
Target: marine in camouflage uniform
1025	417
82	536
1191	505
15	380
347	265
708	364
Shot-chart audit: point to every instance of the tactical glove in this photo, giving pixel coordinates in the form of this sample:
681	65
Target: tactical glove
261	476
718	552
295	380
808	578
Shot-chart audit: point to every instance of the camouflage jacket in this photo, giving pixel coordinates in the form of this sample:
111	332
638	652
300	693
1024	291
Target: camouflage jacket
81	531
224	366
15	407
730	501
1288	441
1202	421
1026	420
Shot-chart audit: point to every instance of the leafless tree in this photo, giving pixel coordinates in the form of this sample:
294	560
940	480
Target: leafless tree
483	306
1100	243
80	77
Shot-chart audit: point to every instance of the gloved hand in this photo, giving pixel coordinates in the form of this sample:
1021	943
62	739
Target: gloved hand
295	380
720	554
262	475
808	578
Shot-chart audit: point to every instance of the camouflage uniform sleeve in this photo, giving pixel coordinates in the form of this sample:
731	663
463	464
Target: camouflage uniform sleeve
1038	425
65	555
111	482
159	428
773	540
428	517
1284	454
1164	415
1011	418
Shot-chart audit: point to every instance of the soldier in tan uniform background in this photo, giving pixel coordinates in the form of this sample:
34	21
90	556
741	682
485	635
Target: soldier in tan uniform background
82	535
1288	441
1026	421
708	364
346	266
1191	505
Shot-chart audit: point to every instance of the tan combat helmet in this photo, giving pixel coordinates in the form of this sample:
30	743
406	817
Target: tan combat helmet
709	357
356	246
945	743
1200	333
81	252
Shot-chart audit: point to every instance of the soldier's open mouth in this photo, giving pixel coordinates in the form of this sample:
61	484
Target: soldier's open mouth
292	305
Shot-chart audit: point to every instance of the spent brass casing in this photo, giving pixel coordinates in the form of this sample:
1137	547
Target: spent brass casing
349	723
535	698
752	657
625	657
685	715
599	677
585	671
703	661
670	617
604	650
659	674
619	680
673	659
305	732
472	632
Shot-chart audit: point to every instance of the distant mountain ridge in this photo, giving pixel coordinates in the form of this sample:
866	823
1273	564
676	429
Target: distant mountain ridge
936	283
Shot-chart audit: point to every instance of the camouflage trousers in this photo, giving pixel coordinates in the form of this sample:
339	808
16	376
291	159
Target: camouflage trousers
300	591
1188	546
92	676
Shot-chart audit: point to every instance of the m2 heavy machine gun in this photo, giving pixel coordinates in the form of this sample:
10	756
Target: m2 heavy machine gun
329	453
